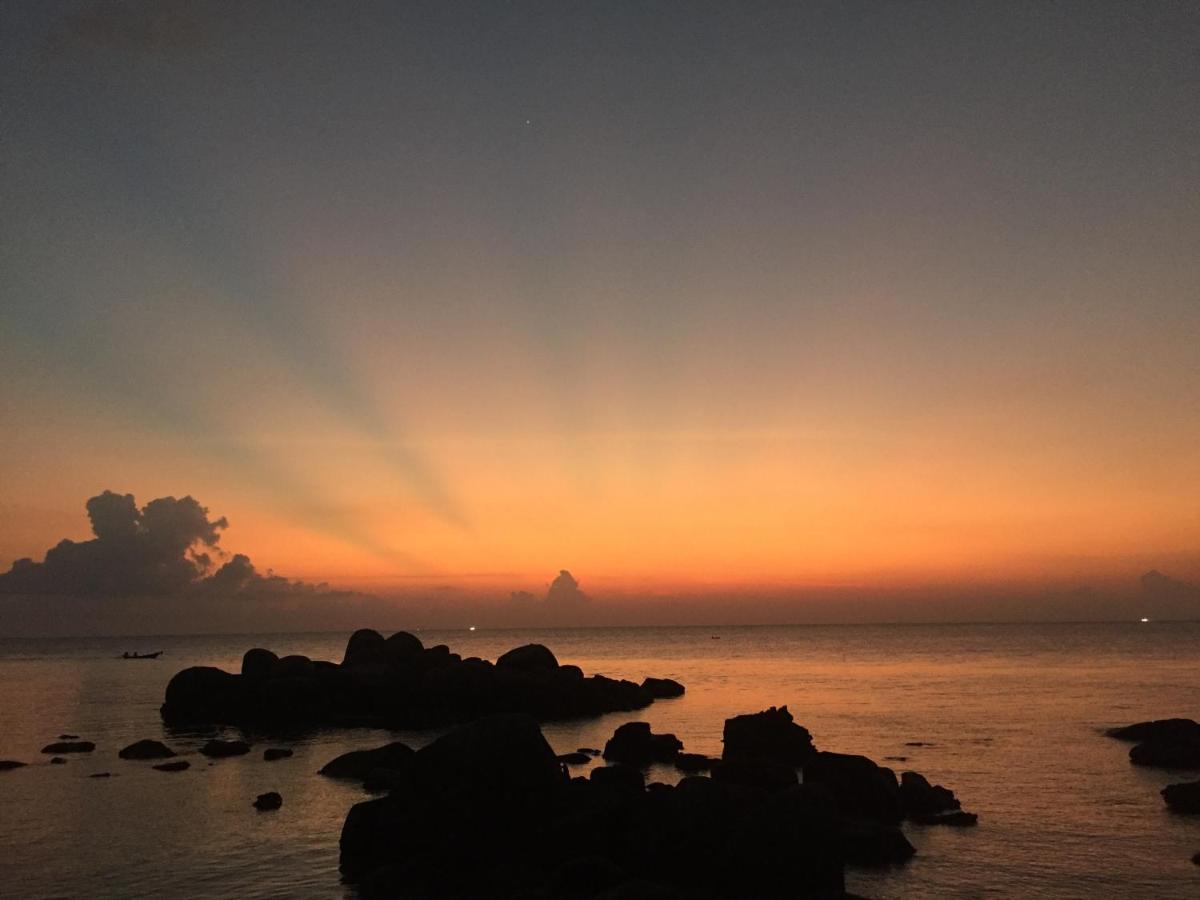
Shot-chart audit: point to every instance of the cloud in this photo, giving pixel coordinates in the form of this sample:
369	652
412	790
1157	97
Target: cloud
564	591
166	547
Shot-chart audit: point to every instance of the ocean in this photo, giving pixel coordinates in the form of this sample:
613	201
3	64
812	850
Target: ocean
1008	716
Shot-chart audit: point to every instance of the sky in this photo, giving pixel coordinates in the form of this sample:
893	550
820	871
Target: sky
673	295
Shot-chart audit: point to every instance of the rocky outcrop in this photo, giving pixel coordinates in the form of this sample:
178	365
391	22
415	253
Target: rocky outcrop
1157	730
1183	798
1162	743
662	688
218	749
146	749
358	764
9	764
393	682
268	801
770	736
635	744
694	762
490	812
69	747
861	788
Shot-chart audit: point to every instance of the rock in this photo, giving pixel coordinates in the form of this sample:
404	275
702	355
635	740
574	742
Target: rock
403	646
659	688
388	780
529	658
634	743
365	646
867	843
258	664
621	776
574	759
358	764
694	762
1167	754
1183	798
861	788
69	747
68	737
590	751
294	668
177	766
1158	730
203	695
896	758
919	798
762	775
572	672
1196	858
957	819
57	761
100	775
146	749
218	749
768	736
273	753
7	765
268	801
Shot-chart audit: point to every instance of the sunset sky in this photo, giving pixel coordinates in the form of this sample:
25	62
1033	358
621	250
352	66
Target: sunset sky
665	293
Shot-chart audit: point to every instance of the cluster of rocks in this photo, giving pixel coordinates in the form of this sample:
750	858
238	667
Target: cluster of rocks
490	810
1167	744
397	682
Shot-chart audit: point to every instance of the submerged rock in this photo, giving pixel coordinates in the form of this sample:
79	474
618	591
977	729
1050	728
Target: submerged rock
69	747
662	687
9	764
694	762
177	766
957	819
1183	798
574	759
358	764
273	753
146	749
68	737
218	749
57	761
268	801
100	775
635	744
1167	754
769	736
1157	730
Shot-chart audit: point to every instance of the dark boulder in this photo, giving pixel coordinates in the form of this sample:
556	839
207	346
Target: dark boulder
694	762
146	749
867	843
635	744
920	798
768	736
1167	754
57	761
273	753
574	759
365	646
660	688
203	694
1196	858
68	737
1158	730
258	664
100	775
861	788
529	658
268	801
590	751
69	747
621	777
294	667
9	764
218	749
956	819
1183	798
762	775
572	672
177	766
358	764
403	646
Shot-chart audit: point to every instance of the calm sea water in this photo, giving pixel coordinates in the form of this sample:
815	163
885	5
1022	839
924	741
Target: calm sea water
1008	716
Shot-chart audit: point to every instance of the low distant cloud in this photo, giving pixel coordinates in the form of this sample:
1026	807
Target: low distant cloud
565	591
1158	586
167	547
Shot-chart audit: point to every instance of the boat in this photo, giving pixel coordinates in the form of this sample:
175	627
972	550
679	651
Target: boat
155	655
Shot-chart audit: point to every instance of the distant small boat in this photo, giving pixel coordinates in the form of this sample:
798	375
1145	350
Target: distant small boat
155	655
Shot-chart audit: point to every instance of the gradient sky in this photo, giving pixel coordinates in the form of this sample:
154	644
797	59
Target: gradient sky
665	293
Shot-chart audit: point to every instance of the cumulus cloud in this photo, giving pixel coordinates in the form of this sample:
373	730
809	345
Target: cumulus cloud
165	547
564	590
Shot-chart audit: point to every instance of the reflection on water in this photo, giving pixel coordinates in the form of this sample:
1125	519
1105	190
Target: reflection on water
1007	716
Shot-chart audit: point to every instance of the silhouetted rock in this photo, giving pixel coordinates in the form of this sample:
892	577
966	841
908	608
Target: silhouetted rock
146	749
177	766
529	658
762	775
621	776
574	759
1196	858
9	764
258	664
590	751
660	688
57	761
1167	754
920	798
273	753
768	736
358	764
694	762
1158	730
205	694
100	775
861	788
364	647
68	737
403	646
868	843
69	747
634	743
268	801
957	819
1183	798
218	749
